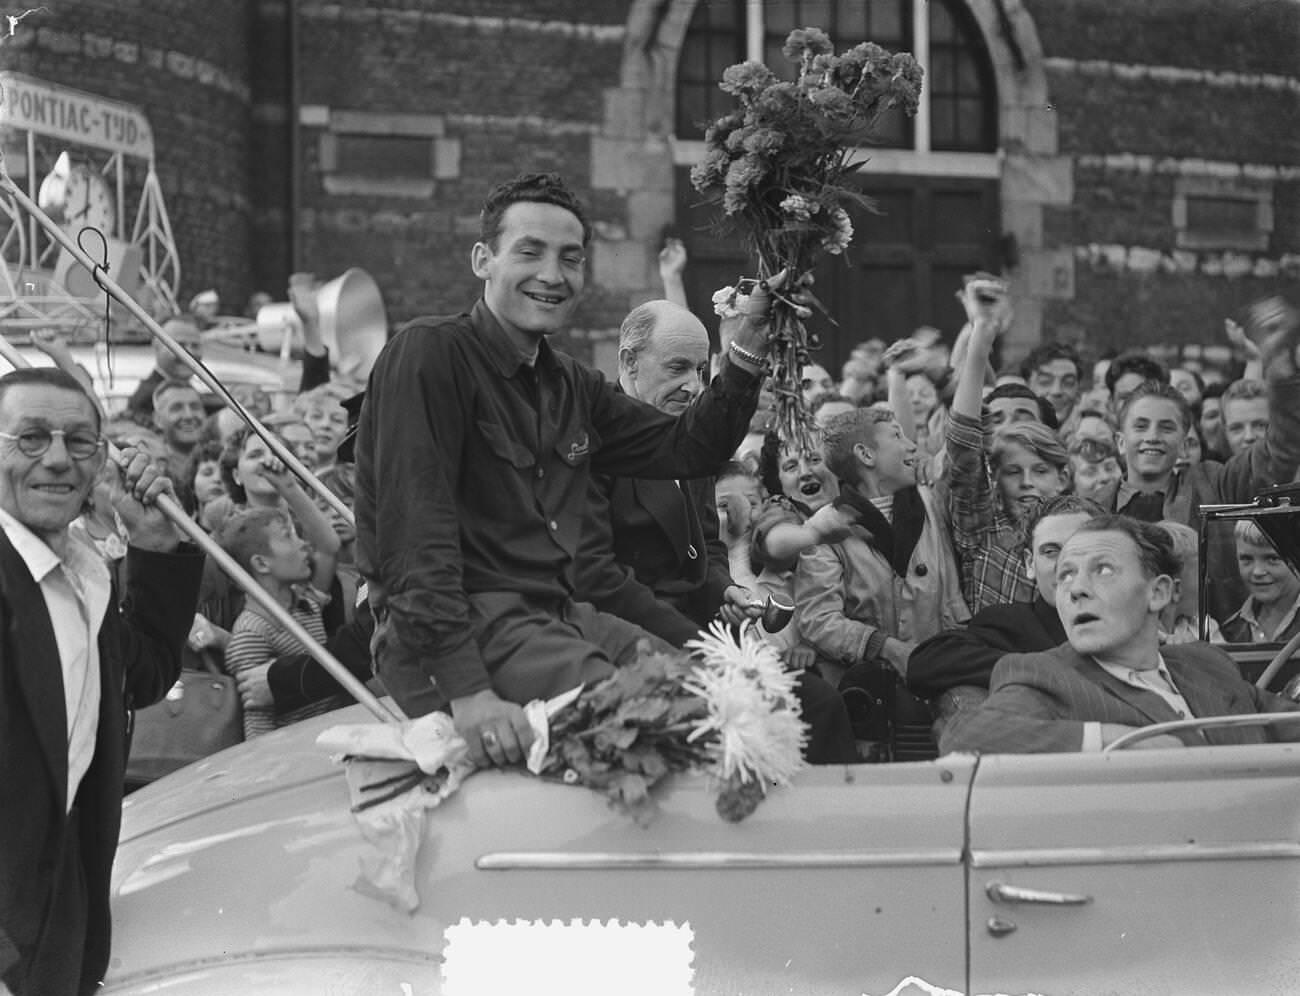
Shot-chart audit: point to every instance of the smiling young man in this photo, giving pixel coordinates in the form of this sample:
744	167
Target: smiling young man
1114	576
893	581
1245	414
475	448
1153	425
1052	372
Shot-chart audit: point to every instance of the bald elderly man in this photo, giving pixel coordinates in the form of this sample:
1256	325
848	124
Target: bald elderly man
651	553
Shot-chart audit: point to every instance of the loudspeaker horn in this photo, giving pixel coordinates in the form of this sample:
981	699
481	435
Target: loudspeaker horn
354	324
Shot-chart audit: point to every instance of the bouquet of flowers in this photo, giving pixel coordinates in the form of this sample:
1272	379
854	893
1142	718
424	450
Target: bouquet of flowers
779	167
730	711
726	707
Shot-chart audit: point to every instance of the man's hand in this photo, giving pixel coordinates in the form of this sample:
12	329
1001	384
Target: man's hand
672	260
832	523
1110	732
496	731
987	301
750	328
135	493
739	604
277	472
897	652
302	295
907	357
1271	326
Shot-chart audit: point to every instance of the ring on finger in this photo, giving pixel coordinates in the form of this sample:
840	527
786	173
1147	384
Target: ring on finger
490	739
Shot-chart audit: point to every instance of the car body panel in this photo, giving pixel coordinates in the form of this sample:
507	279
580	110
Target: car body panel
1191	860
846	882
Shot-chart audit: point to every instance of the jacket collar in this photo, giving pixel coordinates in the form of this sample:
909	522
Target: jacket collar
503	353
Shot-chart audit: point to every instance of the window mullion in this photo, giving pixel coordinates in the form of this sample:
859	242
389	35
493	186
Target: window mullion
754	30
921	52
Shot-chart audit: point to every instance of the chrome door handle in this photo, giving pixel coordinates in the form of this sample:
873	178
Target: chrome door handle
1000	892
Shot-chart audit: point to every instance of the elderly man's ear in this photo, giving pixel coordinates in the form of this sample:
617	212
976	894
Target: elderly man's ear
627	362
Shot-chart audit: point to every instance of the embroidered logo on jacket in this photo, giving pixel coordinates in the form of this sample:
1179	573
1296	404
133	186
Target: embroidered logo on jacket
578	449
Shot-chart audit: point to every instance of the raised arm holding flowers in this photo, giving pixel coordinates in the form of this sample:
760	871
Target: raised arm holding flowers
779	167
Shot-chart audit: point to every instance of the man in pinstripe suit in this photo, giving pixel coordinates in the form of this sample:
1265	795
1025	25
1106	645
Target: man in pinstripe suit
1113	577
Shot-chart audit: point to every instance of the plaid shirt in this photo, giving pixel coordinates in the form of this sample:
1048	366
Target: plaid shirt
989	546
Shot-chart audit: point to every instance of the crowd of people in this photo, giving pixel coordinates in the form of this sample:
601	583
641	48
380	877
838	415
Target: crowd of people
1009	553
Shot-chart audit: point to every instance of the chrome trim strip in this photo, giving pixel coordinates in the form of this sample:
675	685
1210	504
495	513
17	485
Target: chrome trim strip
1132	854
693	860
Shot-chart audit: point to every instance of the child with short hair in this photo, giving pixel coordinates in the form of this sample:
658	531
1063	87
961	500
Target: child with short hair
1271	613
264	542
1095	469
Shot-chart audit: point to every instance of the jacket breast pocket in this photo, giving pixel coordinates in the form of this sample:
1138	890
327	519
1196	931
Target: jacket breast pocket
500	444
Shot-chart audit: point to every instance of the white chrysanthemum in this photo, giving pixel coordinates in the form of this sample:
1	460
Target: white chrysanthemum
751	706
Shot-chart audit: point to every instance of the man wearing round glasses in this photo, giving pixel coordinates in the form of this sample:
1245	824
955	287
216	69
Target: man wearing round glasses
75	654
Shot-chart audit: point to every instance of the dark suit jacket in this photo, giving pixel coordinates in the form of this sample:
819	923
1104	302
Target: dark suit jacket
54	867
1039	702
966	655
650	554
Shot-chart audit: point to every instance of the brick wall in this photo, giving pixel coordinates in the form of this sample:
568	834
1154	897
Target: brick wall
1151	97
189	72
1148	96
500	88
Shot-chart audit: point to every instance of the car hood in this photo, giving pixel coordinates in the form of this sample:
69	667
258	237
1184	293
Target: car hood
249	860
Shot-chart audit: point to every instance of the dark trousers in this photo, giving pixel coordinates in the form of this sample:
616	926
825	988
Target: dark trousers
532	651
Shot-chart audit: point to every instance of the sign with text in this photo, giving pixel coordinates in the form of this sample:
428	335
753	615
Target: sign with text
61	112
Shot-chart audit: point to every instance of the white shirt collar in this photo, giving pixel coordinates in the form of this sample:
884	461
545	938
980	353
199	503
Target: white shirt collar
36	553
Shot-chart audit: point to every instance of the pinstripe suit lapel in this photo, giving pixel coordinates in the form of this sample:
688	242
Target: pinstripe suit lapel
1116	693
1206	696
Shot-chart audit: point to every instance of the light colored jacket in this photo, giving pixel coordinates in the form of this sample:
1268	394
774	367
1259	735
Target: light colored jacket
846	591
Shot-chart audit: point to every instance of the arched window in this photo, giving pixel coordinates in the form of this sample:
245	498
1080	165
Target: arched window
959	99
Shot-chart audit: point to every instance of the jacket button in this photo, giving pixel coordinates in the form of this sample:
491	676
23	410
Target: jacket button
541	472
922	570
553	524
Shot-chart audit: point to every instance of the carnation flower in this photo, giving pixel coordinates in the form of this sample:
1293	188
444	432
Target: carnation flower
746	79
800	207
832	101
781	163
763	140
806	43
838	241
729	302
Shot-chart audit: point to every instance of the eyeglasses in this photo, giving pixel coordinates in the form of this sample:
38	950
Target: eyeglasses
81	444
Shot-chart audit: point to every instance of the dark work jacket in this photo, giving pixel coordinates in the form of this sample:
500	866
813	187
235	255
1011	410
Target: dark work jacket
966	655
651	554
140	645
473	469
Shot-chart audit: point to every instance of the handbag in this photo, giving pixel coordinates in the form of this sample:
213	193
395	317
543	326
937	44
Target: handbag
199	716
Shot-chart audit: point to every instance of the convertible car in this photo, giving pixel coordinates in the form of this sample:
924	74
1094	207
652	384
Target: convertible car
1130	871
